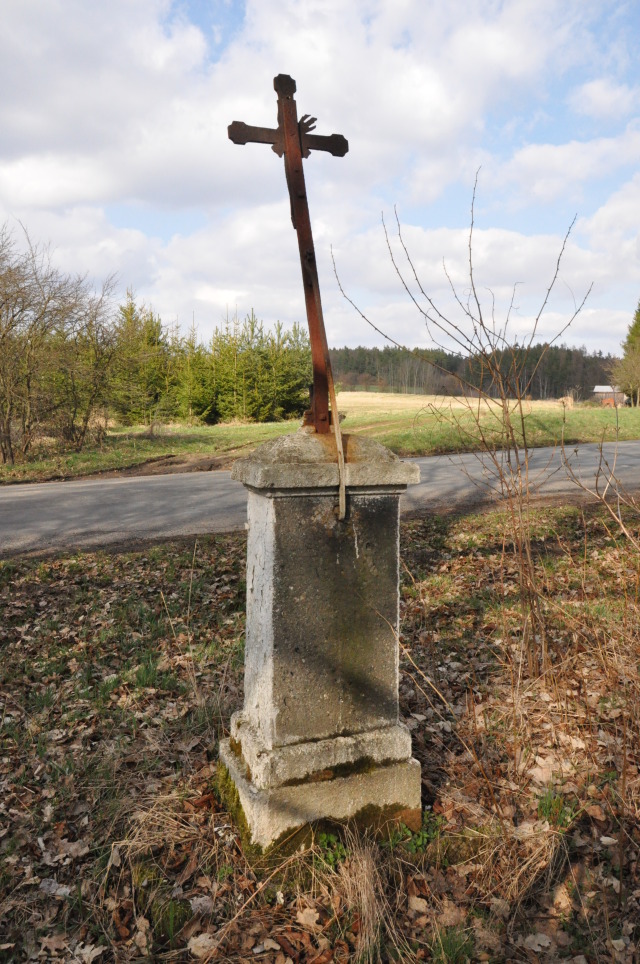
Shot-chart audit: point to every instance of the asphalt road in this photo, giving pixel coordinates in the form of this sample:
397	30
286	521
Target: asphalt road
40	517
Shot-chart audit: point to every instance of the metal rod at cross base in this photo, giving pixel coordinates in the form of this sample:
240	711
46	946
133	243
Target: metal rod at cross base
293	140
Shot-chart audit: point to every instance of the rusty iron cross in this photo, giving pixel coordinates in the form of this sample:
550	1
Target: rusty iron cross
295	140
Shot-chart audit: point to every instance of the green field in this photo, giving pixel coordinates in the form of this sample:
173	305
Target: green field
407	424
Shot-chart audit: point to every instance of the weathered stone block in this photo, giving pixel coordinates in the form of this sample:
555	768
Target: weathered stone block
322	612
376	795
321	655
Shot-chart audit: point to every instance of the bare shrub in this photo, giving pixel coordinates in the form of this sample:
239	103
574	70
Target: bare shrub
496	393
56	349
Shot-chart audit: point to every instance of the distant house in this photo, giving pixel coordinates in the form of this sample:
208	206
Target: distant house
611	396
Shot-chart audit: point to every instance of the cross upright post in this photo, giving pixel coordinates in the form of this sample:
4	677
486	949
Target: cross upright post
294	139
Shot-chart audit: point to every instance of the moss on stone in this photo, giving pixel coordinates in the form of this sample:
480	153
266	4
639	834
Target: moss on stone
236	748
371	819
227	793
363	765
380	819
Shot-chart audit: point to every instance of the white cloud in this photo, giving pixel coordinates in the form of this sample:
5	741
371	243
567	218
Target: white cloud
544	172
604	99
125	106
616	220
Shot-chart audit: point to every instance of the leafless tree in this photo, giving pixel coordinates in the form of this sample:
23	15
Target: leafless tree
54	335
494	391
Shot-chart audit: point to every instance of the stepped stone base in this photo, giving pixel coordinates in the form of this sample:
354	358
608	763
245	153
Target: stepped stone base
380	789
292	763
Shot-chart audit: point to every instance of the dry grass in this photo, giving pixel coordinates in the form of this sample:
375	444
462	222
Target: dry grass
382	403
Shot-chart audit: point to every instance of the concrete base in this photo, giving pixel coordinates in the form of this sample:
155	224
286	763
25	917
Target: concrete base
392	789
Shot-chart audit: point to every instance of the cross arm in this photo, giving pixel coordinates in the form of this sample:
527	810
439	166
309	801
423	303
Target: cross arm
335	144
241	133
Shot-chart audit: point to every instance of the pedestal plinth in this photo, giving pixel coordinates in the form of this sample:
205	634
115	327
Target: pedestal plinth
319	735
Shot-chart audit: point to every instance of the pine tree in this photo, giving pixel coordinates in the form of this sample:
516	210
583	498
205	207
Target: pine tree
142	379
627	372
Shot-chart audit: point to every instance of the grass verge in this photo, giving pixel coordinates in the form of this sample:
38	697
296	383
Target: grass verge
124	448
120	671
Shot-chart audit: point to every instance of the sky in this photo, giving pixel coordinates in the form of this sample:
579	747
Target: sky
114	151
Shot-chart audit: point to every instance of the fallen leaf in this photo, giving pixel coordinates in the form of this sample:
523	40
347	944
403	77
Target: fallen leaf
537	942
53	888
541	774
202	905
142	936
267	945
500	907
450	915
88	952
202	945
189	870
596	811
418	904
308	918
75	848
55	943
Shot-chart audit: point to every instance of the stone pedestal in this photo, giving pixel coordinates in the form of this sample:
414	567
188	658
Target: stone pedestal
319	735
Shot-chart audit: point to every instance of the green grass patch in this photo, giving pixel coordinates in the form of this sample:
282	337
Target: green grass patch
124	448
452	945
438	429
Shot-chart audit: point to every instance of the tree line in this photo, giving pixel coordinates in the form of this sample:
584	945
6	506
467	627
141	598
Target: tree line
70	359
244	372
546	371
